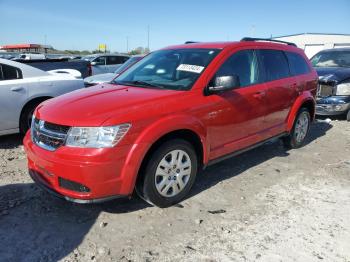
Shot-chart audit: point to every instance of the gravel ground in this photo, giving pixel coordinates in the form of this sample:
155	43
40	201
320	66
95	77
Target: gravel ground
267	204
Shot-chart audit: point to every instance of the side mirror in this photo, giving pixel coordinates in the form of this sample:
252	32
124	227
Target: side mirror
93	63
224	83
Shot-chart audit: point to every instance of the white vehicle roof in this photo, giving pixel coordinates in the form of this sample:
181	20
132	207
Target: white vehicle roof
27	71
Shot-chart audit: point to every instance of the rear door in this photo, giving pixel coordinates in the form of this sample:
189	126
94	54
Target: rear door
238	117
13	94
281	89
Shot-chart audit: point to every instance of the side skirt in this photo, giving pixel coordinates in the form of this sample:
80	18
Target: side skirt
219	159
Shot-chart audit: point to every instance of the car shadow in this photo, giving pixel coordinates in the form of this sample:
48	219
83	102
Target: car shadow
236	165
10	141
35	226
334	118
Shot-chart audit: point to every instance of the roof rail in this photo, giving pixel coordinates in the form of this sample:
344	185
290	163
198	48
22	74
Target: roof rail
190	42
268	40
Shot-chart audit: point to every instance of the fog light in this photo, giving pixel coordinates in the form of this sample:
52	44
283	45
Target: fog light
71	185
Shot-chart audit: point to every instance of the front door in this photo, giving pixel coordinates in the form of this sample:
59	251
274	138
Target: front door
237	116
100	64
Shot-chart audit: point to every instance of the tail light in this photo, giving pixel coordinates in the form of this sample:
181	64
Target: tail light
89	69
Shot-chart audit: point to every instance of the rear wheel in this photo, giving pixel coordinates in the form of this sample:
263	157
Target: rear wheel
169	173
300	129
348	116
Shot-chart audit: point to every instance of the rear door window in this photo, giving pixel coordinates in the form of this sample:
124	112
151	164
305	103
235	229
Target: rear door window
274	63
242	64
114	60
9	72
297	64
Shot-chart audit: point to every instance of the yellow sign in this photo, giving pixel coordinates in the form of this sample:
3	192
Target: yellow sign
102	47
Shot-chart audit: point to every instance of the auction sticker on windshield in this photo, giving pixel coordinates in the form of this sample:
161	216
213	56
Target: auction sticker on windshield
190	68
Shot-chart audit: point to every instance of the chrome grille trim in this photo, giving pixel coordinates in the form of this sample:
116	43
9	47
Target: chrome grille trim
325	90
46	138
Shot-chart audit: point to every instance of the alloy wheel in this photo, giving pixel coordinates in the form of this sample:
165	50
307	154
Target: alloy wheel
173	173
301	127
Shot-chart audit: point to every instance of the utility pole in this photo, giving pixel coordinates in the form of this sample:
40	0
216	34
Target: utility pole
45	49
127	44
148	38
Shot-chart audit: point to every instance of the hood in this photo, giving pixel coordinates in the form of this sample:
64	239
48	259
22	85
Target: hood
101	78
333	74
95	105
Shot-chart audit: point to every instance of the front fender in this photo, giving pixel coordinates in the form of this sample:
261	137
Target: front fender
305	97
150	135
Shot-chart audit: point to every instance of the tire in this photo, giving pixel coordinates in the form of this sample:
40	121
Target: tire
348	116
160	182
26	116
300	130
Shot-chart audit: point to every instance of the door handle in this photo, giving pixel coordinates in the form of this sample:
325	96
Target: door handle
259	94
16	88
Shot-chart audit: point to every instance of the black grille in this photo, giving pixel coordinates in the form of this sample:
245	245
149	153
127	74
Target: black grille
71	185
48	135
56	128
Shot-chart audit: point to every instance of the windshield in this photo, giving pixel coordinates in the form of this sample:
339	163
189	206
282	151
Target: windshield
127	64
331	59
171	69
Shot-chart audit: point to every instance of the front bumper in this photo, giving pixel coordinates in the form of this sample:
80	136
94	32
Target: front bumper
37	178
98	170
333	105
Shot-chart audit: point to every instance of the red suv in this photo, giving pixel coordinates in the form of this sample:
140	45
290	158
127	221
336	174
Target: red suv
175	112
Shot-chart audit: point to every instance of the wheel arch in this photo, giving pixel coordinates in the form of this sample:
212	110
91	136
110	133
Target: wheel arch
185	134
30	102
155	135
305	100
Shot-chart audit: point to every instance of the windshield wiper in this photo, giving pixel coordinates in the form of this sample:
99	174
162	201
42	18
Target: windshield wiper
139	83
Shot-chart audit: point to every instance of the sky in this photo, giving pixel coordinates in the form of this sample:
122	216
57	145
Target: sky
84	24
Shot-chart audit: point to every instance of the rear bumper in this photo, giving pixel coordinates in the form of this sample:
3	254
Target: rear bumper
333	105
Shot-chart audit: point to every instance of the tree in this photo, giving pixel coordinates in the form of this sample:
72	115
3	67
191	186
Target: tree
139	50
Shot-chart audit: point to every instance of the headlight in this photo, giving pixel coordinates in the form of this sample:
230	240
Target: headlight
96	137
343	89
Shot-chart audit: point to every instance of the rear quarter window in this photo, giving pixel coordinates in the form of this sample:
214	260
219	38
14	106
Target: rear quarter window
274	63
9	72
297	64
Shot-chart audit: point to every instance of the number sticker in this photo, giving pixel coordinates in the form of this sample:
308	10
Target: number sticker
190	68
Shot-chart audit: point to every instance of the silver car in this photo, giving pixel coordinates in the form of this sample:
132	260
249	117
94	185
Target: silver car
23	88
105	63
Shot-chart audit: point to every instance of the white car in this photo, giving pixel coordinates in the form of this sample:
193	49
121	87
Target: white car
23	88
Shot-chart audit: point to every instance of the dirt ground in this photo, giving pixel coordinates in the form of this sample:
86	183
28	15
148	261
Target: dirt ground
268	204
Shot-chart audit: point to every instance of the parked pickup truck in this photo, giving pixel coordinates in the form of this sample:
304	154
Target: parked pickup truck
333	68
83	66
173	113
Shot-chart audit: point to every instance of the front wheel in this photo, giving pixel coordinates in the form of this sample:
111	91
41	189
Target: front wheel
300	129
169	173
26	117
348	116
